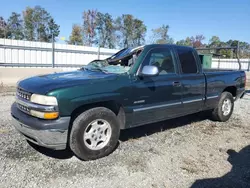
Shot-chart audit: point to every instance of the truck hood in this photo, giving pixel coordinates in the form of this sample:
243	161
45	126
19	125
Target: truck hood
42	84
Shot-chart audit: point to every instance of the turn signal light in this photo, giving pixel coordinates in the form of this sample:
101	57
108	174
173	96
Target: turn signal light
44	115
51	115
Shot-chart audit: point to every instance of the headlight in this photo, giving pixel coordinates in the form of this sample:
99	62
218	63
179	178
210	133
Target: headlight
44	100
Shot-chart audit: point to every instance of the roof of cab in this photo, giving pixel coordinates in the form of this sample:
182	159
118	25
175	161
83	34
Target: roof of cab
166	45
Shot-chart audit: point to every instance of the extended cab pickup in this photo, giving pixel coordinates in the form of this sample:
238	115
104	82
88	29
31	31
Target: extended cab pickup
87	108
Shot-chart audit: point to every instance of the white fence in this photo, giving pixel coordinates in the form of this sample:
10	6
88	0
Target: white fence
26	53
17	53
230	64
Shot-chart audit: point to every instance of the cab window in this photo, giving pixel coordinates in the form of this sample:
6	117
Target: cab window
163	58
187	60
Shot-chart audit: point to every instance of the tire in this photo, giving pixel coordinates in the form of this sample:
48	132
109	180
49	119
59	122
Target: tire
221	113
88	128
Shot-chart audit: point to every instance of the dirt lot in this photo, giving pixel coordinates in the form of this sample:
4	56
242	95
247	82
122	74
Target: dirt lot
189	151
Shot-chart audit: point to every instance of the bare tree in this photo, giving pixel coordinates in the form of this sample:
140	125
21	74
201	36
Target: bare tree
197	41
160	35
89	27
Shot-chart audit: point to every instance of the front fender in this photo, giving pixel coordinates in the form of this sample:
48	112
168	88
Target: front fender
67	106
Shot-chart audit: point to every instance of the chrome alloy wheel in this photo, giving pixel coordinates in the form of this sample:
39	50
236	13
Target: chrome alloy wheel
226	107
97	134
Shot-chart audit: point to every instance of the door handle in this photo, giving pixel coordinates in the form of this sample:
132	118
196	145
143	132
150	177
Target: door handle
176	84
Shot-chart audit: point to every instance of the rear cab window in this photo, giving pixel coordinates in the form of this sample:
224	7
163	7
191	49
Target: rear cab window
187	60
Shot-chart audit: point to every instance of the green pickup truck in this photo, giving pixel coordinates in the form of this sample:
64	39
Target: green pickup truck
85	110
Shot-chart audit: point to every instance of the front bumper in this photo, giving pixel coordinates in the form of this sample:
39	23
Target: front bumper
47	133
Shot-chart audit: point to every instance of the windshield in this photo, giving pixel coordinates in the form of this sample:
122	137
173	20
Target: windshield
104	66
118	63
124	52
121	53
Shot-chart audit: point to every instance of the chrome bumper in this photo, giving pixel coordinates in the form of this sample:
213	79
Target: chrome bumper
50	134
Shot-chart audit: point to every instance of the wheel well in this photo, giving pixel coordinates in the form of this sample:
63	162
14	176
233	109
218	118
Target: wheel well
231	89
112	105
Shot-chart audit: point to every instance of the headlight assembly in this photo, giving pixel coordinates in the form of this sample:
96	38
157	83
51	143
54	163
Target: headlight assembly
44	100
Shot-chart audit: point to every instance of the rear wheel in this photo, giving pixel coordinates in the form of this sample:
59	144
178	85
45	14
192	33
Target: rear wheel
225	107
94	133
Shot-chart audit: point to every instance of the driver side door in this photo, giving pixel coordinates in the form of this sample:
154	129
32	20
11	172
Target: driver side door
157	97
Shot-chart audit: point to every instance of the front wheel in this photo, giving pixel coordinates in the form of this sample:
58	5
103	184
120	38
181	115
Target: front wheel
94	133
225	107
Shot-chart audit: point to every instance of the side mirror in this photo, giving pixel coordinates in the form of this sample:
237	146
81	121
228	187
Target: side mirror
149	70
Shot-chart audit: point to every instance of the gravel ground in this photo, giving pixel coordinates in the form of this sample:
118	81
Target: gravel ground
189	151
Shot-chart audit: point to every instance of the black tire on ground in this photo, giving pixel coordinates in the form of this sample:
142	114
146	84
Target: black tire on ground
217	113
79	126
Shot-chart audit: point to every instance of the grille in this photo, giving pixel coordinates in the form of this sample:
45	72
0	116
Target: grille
23	94
23	108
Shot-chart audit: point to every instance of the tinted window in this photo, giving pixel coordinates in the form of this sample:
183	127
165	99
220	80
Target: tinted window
162	58
187	60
